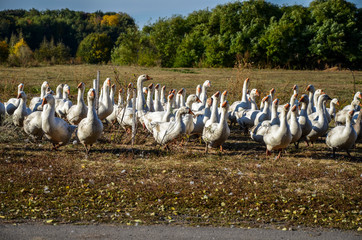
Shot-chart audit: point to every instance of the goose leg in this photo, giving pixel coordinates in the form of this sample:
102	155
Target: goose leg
296	144
268	152
348	153
280	154
334	152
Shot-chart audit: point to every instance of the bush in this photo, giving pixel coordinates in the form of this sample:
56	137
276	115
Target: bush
48	52
21	54
95	48
4	51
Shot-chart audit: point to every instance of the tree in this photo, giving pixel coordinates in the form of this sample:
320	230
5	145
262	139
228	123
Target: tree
95	48
4	51
127	47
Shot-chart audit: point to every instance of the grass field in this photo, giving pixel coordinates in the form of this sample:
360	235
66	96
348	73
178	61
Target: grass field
145	184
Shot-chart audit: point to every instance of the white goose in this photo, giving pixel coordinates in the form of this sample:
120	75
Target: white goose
258	131
125	115
157	103
331	111
271	96
105	106
244	103
90	128
341	115
33	125
295	128
79	111
342	137
214	112
164	132
201	117
36	101
311	108
58	95
198	90
21	111
163	96
55	129
253	94
357	97
203	97
163	116
112	118
141	105
188	119
357	126
303	119
249	118
278	137
150	93
215	134
12	104
64	105
320	126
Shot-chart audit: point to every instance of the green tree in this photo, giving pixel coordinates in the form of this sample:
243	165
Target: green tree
127	48
4	51
95	48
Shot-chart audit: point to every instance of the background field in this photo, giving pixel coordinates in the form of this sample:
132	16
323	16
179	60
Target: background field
147	185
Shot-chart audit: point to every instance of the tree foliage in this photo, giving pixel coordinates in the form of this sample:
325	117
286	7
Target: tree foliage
95	48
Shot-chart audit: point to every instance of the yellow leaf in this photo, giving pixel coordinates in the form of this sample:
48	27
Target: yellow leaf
2	217
222	204
284	229
49	221
359	229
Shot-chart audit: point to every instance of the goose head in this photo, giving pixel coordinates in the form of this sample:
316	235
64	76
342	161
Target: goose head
355	103
66	89
170	97
130	85
150	87
335	101
120	91
276	103
310	88
185	110
286	107
193	98
157	86
272	92
295	87
91	94
255	92
225	93
81	85
304	98
198	89
207	83
294	108
357	95
143	77
22	95
225	106
20	87
48	99
145	90
44	85
246	82
164	88
113	87
209	102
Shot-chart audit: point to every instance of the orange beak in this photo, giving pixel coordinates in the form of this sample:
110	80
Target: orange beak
301	99
44	102
129	85
225	93
150	86
198	99
286	106
92	93
294	87
180	92
217	94
224	104
360	95
337	103
121	90
191	112
157	86
276	101
257	93
68	91
79	85
170	96
294	108
148	77
296	95
272	90
247	80
308	88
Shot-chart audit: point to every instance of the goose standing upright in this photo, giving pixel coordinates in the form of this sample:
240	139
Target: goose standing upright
320	126
59	95
112	118
141	105
125	116
311	108
65	104
357	96
163	96
36	101
303	119
271	96
331	111
278	137
215	134
295	128
201	117
150	93
157	103
342	137
202	97
21	112
12	104
79	111
198	90
214	112
244	103
90	128
105	106
55	129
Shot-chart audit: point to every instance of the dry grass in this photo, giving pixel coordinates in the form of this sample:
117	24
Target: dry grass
145	184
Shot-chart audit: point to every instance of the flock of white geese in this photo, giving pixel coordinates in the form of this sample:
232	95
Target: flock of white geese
169	115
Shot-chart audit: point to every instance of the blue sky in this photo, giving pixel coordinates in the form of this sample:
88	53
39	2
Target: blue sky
143	11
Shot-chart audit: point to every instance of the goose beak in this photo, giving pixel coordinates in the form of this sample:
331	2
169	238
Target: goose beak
79	85
294	87
360	96
276	101
272	90
308	88
337	102
129	85
150	86
247	80
257	93
198	99
209	84
92	93
68	91
225	93
191	112
121	90
287	106
294	108
157	86
164	87
180	91
217	94
224	104
148	77
301	99
296	95
109	82
146	91
44	102
170	96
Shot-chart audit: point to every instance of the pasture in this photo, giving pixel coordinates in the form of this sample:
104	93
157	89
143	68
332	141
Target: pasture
145	184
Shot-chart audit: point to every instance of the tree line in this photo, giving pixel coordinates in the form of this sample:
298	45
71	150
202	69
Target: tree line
252	33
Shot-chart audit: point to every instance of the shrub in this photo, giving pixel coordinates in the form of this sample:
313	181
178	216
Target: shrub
4	51
95	48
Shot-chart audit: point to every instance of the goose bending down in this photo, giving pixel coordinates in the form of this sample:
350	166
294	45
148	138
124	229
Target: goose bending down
90	128
57	131
33	125
311	108
258	131
215	134
37	101
65	104
21	111
278	137
303	119
295	128
164	132
244	103
157	105
163	116
12	104
79	111
105	106
342	137
320	126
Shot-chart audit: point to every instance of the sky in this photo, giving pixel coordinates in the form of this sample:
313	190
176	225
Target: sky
143	11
